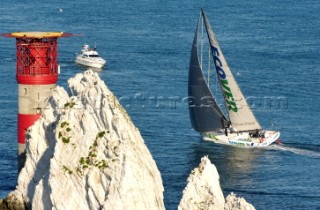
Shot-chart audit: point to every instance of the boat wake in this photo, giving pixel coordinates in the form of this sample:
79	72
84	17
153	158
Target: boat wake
311	151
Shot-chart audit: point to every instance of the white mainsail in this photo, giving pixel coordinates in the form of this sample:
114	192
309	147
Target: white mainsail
240	114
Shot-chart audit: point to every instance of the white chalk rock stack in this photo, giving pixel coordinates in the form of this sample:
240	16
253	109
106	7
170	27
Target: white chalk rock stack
203	191
85	153
235	203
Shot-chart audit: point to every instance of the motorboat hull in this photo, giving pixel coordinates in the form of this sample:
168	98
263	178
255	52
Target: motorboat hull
90	63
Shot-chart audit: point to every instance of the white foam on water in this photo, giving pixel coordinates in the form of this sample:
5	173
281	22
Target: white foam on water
295	150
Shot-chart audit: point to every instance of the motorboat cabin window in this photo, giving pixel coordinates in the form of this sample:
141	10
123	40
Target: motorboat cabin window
94	56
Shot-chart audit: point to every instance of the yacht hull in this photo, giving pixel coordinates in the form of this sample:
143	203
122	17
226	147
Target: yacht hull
241	139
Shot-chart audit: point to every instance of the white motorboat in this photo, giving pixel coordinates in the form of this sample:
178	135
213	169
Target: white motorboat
90	57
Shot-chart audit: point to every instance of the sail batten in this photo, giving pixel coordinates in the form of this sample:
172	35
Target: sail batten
205	114
240	114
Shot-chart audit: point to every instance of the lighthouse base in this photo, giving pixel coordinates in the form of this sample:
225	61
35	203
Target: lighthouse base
21	156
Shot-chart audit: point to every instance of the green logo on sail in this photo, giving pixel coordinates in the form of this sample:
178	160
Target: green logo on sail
228	97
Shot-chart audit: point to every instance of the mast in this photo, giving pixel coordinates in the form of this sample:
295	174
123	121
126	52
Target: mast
209	66
201	42
240	114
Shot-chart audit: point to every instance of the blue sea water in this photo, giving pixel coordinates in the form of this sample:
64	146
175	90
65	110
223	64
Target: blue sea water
271	46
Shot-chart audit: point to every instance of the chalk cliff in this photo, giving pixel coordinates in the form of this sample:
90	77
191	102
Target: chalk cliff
203	191
85	153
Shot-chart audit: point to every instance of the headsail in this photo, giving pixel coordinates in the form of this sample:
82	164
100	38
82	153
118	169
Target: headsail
240	114
205	114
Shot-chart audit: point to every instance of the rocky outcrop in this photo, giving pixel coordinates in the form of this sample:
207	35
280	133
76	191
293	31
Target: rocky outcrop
235	203
12	202
203	191
85	153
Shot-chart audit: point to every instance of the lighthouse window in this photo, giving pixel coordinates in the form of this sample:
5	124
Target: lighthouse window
38	110
25	91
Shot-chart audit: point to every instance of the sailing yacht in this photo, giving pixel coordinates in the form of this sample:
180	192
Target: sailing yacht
239	127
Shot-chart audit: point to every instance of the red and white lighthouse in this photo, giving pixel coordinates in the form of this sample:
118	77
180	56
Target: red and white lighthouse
37	74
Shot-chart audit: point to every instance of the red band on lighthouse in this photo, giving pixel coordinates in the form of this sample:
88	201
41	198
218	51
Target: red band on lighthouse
24	122
37	80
